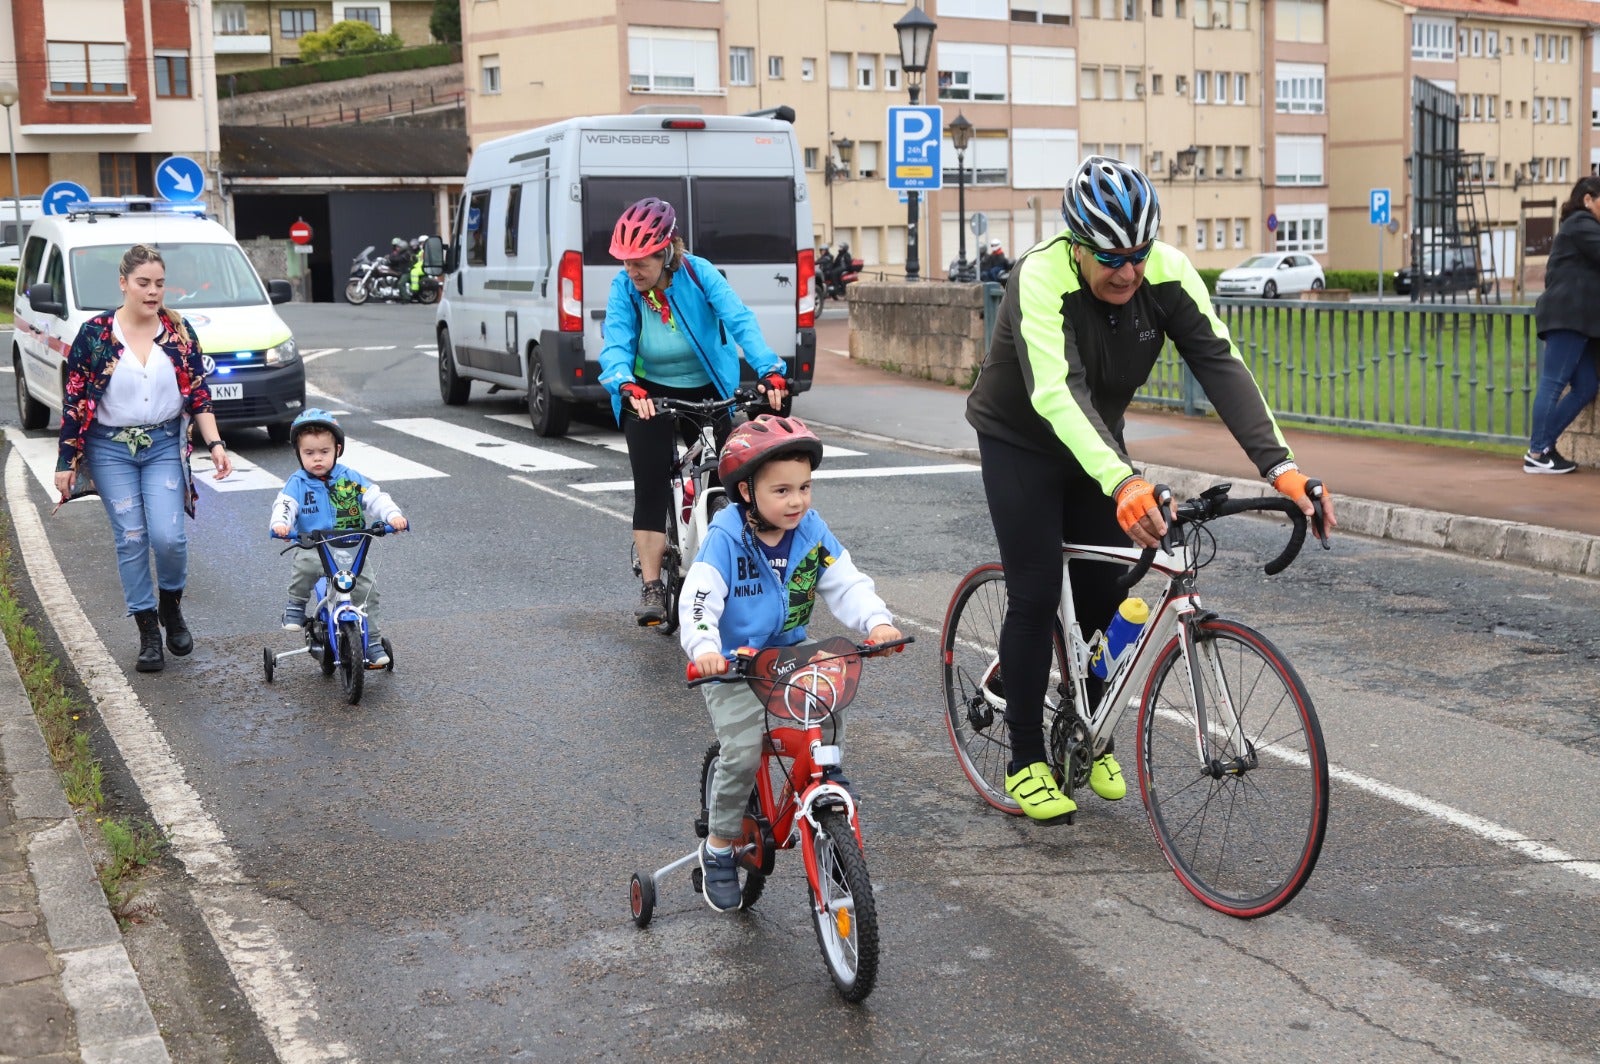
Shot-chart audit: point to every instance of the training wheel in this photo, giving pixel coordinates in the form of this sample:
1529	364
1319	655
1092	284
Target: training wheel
642	897
388	648
269	661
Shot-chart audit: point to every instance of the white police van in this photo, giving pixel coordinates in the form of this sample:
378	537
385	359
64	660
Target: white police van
528	269
69	271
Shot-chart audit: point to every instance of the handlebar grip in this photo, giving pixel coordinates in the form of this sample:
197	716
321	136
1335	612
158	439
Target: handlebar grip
691	673
1319	520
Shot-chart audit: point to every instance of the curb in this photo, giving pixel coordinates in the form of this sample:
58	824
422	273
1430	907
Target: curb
109	1008
1533	546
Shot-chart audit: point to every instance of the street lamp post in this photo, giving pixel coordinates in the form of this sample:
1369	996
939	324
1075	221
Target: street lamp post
916	40
8	98
837	172
960	137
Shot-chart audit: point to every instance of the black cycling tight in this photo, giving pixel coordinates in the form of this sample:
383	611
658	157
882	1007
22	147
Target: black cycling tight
1037	502
650	452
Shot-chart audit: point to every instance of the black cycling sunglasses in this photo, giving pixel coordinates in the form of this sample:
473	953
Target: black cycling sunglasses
1116	262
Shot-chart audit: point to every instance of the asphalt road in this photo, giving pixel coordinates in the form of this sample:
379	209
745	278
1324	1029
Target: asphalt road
441	872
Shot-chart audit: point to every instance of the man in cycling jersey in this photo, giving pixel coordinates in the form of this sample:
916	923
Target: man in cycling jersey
1083	321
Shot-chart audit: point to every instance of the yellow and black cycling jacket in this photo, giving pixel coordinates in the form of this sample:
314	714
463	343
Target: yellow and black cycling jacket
1063	366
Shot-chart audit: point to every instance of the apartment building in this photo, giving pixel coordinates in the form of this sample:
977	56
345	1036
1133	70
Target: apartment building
251	34
106	90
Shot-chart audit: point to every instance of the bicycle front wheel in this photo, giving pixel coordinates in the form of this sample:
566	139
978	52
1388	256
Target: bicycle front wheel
1239	803
973	692
842	906
353	662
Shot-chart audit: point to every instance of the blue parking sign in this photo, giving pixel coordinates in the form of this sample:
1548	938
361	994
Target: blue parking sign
1378	204
915	138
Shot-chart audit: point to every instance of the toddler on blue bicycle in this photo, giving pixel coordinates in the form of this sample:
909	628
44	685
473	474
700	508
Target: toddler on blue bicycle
327	495
753	584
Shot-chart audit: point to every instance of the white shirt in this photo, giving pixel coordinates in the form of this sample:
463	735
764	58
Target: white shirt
139	395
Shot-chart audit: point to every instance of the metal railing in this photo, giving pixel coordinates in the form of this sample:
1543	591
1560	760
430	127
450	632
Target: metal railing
1465	372
456	100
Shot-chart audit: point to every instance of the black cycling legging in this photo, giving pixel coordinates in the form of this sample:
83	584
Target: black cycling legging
1037	502
650	452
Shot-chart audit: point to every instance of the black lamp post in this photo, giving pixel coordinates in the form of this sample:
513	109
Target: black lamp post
916	40
960	137
839	171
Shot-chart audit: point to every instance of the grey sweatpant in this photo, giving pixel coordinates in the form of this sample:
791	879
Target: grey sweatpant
307	567
739	717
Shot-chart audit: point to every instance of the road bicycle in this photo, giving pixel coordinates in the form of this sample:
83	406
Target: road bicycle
694	500
800	799
1231	765
336	627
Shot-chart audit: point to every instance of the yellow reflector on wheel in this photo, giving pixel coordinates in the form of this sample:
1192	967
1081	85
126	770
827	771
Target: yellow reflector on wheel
841	920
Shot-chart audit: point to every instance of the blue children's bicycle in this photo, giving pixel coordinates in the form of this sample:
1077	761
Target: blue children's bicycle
336	628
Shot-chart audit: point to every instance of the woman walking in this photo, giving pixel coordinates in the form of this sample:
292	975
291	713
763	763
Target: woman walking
134	382
1568	317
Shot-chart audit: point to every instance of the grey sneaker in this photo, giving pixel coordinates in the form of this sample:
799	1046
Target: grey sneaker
720	880
652	604
1547	462
294	616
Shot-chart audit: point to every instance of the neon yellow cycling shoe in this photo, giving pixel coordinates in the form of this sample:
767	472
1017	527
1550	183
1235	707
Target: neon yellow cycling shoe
1105	779
1034	788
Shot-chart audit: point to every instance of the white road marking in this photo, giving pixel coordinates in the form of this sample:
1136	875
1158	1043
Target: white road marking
381	466
39	452
433	348
246	476
238	916
381	347
611	441
504	452
334	400
581	502
820	474
318	352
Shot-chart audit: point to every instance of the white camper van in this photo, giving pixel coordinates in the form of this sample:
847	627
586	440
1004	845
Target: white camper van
528	268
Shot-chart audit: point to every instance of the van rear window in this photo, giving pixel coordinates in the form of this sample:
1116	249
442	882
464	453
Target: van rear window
744	220
604	200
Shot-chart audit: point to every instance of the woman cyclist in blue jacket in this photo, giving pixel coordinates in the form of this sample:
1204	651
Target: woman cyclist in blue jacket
674	329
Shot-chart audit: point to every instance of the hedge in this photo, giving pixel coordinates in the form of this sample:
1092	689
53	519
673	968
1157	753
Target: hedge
354	66
8	291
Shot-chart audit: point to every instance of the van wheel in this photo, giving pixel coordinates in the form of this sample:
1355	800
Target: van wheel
548	413
30	412
452	388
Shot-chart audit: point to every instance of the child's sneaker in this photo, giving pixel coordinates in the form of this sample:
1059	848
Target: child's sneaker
719	880
294	616
377	657
1547	462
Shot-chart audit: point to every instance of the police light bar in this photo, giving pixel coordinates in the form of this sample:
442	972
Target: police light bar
134	205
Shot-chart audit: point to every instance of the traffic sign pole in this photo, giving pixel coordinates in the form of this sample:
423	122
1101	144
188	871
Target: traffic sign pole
1378	215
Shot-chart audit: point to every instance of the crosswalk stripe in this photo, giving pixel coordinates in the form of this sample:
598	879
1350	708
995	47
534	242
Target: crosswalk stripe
820	474
40	454
503	452
382	466
611	441
246	475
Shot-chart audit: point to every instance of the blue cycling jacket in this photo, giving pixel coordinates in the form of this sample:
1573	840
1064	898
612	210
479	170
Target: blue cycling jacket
710	313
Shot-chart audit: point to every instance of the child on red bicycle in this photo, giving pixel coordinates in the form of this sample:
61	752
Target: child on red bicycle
754	583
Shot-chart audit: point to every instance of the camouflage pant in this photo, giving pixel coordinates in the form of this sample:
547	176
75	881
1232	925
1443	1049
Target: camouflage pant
740	720
307	567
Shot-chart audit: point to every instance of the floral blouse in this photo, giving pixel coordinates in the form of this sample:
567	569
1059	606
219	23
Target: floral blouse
90	363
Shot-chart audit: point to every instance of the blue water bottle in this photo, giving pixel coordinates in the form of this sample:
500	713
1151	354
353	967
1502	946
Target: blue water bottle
1124	628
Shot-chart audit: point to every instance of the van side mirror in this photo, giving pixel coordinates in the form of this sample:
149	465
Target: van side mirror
280	291
433	257
452	258
42	297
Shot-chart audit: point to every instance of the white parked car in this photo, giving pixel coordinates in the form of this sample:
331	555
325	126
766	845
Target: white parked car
1268	276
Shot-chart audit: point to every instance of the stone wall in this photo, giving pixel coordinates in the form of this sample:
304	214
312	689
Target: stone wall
933	331
1581	442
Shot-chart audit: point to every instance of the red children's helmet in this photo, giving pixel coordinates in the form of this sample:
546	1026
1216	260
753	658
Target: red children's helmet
762	439
644	229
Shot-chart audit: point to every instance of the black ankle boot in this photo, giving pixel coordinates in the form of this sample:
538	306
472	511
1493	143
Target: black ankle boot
179	641
150	657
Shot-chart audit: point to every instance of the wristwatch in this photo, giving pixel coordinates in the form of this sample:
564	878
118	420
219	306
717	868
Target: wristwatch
212	445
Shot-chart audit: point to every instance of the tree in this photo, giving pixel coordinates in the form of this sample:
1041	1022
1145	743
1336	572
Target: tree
445	22
350	37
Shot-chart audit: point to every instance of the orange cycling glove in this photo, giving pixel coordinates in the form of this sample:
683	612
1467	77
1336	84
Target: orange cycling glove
1300	488
1135	497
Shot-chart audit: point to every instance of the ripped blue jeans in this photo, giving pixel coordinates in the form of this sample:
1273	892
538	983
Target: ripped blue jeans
143	496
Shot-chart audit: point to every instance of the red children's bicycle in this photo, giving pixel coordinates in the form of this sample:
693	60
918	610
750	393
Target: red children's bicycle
797	801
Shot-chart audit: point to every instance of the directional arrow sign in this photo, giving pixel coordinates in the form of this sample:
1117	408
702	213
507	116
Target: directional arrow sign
60	196
180	179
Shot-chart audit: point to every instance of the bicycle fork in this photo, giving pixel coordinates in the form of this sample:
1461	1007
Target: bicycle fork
1200	662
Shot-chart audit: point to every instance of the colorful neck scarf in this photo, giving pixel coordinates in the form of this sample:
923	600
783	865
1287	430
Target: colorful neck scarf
657	299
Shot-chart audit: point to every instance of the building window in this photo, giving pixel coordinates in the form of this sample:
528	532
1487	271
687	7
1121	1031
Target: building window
1299	88
672	60
1158	84
1043	75
838	70
1299	160
740	64
125	174
1180	84
866	71
1089	89
774	68
891	73
1477	42
1202	86
1241	88
172	74
1202	229
1566	55
988	159
813	157
1492	47
1302	227
1241	14
1433	38
1238	232
1221	169
991	9
372	16
1132	82
81	69
808	70
1221	95
1300	20
229	18
1110	83
296	22
489	80
1049	12
866	160
972	71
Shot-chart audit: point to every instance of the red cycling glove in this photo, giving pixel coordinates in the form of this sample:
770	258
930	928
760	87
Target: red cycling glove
775	382
631	390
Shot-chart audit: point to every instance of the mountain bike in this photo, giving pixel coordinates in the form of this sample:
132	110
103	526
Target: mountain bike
336	626
694	500
799	799
1231	764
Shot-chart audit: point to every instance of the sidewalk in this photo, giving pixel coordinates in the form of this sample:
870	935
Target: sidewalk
1422	494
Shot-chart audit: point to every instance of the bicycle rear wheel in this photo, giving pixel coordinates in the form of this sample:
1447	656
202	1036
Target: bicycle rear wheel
1242	824
751	883
974	716
842	906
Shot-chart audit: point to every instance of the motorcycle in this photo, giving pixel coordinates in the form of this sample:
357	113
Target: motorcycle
372	278
834	273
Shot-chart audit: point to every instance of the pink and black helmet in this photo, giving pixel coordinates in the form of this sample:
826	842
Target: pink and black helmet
644	229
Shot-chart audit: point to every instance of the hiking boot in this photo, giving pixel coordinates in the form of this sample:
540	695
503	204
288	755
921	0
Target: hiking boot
720	880
1034	788
1105	779
179	639
150	656
1547	462
294	616
652	604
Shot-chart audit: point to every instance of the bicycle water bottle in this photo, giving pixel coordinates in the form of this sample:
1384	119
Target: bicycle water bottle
688	501
1124	628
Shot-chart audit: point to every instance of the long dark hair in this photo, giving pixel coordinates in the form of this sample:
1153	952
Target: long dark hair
1586	186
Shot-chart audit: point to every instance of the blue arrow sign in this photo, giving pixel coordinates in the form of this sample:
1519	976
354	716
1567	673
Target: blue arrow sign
61	195
1378	204
180	179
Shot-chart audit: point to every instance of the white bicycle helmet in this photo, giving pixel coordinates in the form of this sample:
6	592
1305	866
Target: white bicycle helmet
1110	205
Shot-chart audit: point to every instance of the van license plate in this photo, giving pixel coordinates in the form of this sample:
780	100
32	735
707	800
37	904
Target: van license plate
227	391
